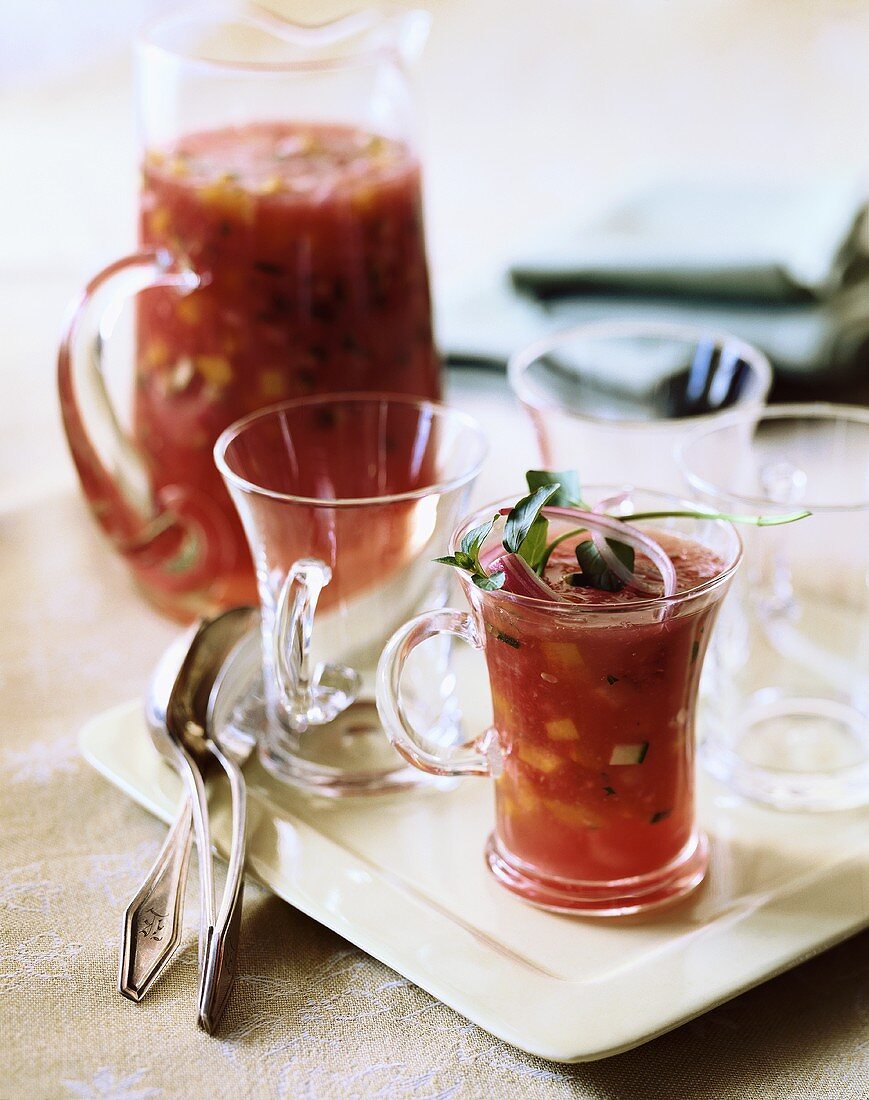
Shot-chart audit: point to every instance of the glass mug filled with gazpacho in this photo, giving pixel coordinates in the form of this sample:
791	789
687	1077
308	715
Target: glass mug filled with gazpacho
345	501
594	620
281	254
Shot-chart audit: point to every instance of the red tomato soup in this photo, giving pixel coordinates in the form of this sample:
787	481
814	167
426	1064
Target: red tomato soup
310	244
368	450
595	721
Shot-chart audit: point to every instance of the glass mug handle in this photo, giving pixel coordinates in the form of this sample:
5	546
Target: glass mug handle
309	696
482	756
168	532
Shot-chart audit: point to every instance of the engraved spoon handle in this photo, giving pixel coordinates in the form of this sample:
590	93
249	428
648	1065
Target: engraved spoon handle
153	920
221	951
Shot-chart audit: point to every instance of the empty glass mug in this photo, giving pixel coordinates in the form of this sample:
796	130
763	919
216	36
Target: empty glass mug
786	708
345	501
592	743
611	399
281	253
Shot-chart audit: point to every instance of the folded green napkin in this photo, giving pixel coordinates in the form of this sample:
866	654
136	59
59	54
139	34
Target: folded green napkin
727	243
786	270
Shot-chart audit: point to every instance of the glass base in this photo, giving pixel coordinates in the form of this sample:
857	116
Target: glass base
353	758
593	899
346	758
795	754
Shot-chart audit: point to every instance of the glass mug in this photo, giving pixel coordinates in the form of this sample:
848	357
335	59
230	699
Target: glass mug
610	398
786	708
592	743
281	254
345	502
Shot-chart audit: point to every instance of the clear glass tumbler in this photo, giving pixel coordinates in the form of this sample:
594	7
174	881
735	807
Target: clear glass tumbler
612	399
345	501
592	744
787	710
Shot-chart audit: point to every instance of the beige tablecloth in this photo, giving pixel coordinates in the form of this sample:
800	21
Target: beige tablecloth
577	89
312	1016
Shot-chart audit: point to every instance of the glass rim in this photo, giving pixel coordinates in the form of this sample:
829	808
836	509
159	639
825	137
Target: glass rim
519	362
817	411
261	19
568	606
435	488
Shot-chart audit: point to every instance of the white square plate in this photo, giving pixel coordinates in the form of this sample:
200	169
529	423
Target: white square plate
404	879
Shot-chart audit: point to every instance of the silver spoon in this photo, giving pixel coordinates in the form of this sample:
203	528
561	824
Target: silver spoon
153	920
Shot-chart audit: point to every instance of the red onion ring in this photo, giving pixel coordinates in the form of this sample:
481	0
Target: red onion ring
611	559
604	527
521	580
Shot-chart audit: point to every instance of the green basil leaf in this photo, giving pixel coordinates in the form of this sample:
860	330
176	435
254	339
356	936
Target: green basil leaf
490	583
522	516
569	494
595	572
474	539
535	542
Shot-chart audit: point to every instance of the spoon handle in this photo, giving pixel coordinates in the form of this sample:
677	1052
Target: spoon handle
153	920
221	951
196	789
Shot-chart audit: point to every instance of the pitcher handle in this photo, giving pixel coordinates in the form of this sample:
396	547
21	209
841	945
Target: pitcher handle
157	531
309	696
481	756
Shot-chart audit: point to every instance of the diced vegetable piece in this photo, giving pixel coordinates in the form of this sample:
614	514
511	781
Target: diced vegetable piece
526	797
562	729
188	309
564	657
159	221
540	759
215	369
629	754
273	384
574	814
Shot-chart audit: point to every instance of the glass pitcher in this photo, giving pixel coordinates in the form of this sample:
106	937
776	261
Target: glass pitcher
281	253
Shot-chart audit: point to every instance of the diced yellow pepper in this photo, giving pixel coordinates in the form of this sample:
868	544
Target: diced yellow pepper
574	815
562	729
540	759
156	353
272	186
226	196
525	797
562	657
272	383
159	221
363	197
188	309
215	369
